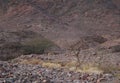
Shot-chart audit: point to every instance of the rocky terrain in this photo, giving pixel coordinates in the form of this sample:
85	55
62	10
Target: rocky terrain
59	41
17	73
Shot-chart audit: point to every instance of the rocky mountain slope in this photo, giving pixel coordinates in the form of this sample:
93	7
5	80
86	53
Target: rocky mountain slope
63	21
49	34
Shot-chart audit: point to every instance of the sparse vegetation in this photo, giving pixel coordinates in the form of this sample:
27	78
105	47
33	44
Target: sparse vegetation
36	46
26	42
16	43
86	68
76	49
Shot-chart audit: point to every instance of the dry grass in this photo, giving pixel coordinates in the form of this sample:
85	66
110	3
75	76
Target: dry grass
71	65
51	65
35	61
90	68
85	68
31	61
67	65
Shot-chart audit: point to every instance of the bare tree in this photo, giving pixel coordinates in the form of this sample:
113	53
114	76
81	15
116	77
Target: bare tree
76	49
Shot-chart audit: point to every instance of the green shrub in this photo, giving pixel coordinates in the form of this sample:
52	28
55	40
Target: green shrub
36	46
11	50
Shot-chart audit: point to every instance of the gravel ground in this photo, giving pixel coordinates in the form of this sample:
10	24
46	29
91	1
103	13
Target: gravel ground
18	73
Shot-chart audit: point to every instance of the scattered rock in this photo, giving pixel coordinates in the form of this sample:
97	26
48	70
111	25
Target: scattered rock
12	73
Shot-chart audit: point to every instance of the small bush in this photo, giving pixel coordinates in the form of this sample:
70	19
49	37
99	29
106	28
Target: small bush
11	50
36	46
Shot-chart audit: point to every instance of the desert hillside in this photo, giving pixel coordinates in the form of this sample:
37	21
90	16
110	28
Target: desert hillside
63	21
60	41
